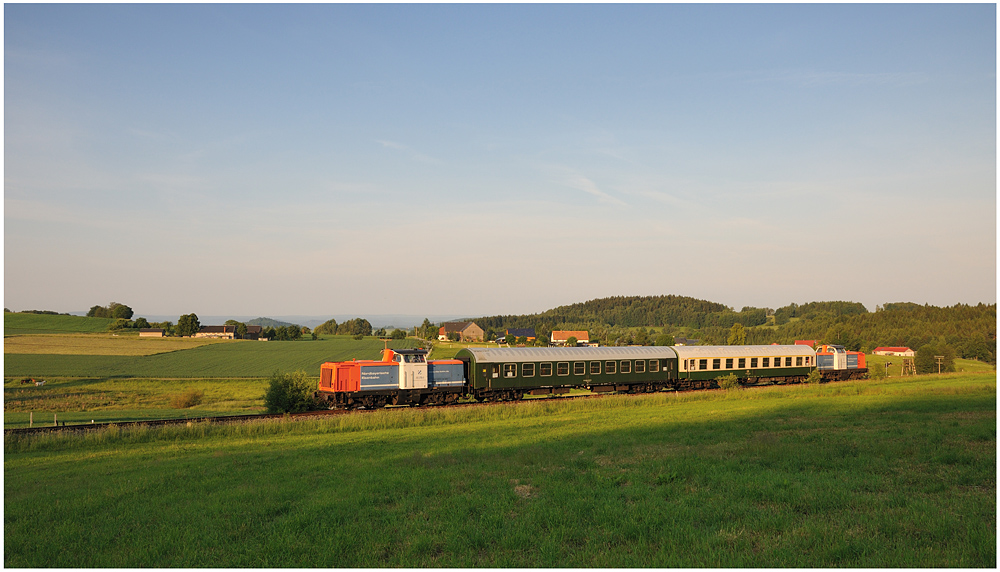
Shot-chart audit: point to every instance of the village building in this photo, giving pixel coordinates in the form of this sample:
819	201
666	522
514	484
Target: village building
151	332
218	332
514	333
894	351
467	331
559	337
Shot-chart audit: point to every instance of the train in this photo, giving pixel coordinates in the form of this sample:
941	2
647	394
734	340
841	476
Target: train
407	377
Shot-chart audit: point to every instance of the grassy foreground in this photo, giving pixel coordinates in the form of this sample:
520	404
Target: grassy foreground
900	473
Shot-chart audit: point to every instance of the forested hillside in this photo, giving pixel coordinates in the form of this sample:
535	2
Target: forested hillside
969	330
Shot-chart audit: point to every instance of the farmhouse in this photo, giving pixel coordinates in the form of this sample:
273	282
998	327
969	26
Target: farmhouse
220	332
682	341
467	331
253	332
151	332
559	337
893	351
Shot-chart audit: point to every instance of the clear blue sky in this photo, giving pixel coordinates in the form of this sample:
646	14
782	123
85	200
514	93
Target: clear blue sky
495	159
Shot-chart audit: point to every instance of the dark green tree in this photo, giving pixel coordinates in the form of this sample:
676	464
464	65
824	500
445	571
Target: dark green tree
141	322
187	325
737	335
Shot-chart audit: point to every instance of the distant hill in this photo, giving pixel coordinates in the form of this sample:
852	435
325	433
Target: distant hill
268	323
15	323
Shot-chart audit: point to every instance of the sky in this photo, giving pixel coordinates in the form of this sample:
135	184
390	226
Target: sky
474	160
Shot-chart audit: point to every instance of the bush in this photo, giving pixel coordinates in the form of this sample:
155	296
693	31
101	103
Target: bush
728	382
189	399
814	377
290	393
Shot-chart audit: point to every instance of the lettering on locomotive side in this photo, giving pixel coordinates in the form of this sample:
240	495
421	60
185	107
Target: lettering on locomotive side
373	375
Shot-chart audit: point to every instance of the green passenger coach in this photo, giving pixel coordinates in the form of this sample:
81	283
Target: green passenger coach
504	374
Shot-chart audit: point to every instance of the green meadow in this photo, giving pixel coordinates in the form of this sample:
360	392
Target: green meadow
898	473
224	359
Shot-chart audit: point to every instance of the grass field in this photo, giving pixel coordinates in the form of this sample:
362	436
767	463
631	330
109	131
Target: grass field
99	344
16	323
239	358
899	473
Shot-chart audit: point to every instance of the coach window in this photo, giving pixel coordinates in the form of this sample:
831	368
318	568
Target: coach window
509	369
595	368
703	364
717	363
798	360
654	365
729	363
767	362
545	369
753	363
579	368
626	366
609	367
527	370
562	368
640	366
788	362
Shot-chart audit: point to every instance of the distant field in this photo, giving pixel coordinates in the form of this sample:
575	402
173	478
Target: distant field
16	324
99	344
241	358
892	474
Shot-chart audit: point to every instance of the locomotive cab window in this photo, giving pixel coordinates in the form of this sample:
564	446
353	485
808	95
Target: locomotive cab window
545	369
509	369
562	368
626	366
579	368
609	367
654	365
640	366
595	368
527	370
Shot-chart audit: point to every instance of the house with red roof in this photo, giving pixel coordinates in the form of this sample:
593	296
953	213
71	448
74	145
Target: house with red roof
894	351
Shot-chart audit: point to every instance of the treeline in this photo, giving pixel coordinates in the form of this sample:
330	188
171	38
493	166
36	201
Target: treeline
964	330
112	310
355	327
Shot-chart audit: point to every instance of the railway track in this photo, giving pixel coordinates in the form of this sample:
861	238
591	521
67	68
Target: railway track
229	419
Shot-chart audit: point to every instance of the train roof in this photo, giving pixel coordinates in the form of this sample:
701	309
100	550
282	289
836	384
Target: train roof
567	354
687	352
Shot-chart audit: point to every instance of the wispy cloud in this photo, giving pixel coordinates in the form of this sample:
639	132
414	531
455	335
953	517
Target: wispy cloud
413	154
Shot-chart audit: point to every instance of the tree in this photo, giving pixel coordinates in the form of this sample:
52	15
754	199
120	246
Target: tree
289	393
141	323
327	327
119	311
241	328
119	324
187	325
454	336
641	337
398	334
427	330
664	340
737	335
926	362
571	341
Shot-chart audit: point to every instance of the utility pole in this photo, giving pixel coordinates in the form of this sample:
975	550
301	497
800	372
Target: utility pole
939	359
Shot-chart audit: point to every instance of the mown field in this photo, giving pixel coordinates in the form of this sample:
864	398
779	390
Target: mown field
17	323
232	358
896	473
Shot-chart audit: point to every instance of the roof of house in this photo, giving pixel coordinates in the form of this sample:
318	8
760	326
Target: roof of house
217	329
455	326
893	349
810	343
526	332
567	334
255	329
